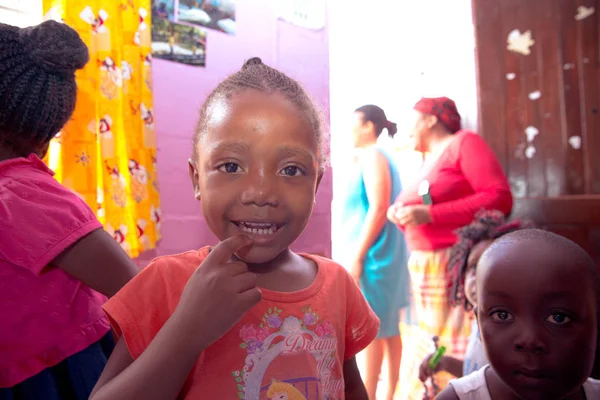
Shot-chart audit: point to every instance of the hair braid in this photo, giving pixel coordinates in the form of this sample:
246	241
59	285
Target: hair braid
255	75
37	82
488	225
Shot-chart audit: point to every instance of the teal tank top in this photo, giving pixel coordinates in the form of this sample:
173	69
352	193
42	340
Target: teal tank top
386	261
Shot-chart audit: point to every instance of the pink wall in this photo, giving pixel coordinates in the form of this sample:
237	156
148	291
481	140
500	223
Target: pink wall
180	90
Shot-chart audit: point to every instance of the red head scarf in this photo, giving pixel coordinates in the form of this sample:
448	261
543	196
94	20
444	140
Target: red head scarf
443	108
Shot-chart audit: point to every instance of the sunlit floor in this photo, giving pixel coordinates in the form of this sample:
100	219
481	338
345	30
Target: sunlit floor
413	351
382	387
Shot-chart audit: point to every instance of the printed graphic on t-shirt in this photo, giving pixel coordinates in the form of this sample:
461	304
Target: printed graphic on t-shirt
289	357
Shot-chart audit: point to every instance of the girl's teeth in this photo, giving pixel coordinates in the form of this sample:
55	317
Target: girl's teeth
259	231
267	229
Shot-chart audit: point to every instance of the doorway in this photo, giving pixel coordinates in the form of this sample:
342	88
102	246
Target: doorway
391	53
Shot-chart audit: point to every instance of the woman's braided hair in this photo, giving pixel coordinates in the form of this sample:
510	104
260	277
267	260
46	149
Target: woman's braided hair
37	82
255	75
488	225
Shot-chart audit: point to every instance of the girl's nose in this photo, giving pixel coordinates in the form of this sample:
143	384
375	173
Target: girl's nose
260	191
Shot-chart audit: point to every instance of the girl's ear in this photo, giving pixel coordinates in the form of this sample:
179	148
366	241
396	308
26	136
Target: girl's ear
194	177
319	178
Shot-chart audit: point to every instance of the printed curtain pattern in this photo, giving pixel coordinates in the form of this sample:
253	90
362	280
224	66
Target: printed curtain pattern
107	152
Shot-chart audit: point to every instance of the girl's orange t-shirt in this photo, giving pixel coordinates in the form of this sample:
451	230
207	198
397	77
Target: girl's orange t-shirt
290	345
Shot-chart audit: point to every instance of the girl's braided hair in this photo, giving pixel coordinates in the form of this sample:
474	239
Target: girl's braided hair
37	82
255	75
488	225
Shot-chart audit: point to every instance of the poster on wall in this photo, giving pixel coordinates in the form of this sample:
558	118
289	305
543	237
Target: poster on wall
179	43
213	14
164	9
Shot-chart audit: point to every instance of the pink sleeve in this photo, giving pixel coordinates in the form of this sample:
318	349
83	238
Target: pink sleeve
484	173
362	325
40	219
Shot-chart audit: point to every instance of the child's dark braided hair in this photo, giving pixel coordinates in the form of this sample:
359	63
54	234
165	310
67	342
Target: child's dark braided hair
37	83
488	225
255	75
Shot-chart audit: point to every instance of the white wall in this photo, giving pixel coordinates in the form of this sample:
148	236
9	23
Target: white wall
390	53
21	13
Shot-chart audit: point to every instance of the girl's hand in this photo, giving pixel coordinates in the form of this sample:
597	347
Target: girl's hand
218	294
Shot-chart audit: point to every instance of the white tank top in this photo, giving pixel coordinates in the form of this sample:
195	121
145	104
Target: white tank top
475	356
474	387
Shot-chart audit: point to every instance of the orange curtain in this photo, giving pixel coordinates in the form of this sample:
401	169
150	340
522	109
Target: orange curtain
107	152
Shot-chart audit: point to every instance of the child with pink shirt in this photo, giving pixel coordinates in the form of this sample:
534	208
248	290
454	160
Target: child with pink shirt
57	264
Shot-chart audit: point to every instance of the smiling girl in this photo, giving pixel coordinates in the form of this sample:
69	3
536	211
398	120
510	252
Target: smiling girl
225	322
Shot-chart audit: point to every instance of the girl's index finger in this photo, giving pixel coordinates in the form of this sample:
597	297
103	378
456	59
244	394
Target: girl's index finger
222	252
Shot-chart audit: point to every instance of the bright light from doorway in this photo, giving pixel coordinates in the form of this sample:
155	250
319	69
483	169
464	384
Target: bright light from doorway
21	13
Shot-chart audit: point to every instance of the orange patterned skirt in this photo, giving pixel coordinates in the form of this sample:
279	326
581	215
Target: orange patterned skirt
431	314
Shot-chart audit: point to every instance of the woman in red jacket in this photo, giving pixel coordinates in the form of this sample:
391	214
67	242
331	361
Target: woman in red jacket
461	176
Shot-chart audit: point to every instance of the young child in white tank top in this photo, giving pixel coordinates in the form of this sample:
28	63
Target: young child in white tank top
474	387
537	310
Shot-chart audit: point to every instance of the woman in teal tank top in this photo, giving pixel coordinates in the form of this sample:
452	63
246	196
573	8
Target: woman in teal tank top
377	254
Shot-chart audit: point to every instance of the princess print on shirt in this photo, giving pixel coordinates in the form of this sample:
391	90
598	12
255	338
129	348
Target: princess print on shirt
283	391
305	341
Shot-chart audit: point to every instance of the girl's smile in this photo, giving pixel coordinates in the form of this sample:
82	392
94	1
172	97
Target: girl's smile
261	233
257	172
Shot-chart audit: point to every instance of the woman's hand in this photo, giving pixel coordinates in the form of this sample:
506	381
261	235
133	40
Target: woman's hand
392	213
414	215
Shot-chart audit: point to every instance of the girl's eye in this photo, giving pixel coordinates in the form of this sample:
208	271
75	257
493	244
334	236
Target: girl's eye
502	316
558	319
230	168
291	170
